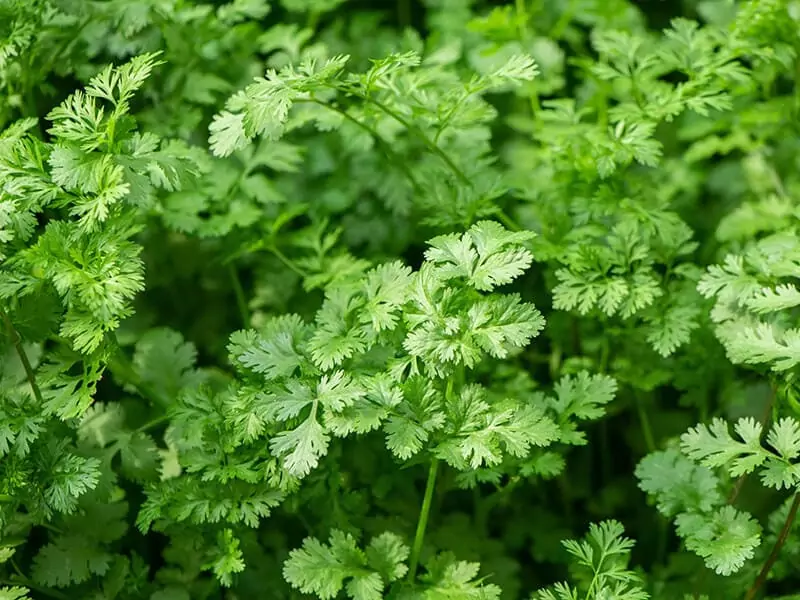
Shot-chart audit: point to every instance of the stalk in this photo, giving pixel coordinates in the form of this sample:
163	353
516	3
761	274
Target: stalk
509	223
647	431
420	135
396	160
523	17
563	21
241	302
23	357
422	522
429	143
776	549
27	583
286	261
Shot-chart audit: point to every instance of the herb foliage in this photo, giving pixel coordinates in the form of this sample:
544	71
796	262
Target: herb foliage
421	300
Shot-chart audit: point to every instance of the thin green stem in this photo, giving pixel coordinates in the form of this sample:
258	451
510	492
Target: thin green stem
507	221
396	160
595	579
554	360
429	143
662	539
444	123
52	528
605	350
421	135
563	21
422	522
153	423
430	485
32	586
285	260
644	420
241	302
605	453
16	568
23	357
565	489
776	549
65	47
523	18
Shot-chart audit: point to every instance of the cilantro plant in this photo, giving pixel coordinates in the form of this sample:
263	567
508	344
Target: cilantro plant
419	300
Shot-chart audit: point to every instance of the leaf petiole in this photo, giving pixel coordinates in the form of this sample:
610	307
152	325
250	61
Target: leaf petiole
422	522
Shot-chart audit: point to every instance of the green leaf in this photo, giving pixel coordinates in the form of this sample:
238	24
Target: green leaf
69	560
301	447
275	351
165	362
481	434
713	445
487	255
322	569
14	593
414	419
677	484
580	397
140	457
603	556
226	558
447	578
725	541
262	108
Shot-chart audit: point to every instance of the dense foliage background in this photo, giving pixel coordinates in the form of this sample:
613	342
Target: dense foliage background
415	299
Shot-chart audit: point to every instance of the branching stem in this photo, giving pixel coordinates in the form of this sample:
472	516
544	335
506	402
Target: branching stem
419	133
428	142
397	160
285	260
425	140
